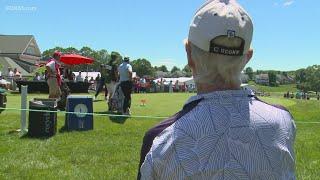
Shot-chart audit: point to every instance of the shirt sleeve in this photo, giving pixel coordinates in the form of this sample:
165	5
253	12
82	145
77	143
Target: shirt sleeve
52	66
130	68
146	169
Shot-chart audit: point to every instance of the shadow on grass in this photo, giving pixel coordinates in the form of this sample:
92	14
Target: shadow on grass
115	119
63	129
97	100
27	135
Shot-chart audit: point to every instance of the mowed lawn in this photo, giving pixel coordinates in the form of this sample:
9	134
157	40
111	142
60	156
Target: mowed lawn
111	150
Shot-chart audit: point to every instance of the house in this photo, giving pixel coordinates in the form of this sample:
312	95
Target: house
282	79
19	51
262	79
244	78
161	74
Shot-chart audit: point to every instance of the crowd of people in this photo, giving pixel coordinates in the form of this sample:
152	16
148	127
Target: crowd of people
111	77
144	85
9	80
302	95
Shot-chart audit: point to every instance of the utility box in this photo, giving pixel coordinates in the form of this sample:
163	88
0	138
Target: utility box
42	118
79	113
3	101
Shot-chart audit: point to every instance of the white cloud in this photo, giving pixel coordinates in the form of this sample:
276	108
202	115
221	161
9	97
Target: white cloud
283	3
288	3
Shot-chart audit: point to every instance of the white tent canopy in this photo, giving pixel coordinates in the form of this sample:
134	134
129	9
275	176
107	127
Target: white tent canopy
181	80
95	74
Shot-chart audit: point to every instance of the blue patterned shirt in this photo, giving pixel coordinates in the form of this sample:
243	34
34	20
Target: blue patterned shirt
227	135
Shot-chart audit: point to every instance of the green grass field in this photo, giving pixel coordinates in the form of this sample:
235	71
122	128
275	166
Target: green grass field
281	88
111	150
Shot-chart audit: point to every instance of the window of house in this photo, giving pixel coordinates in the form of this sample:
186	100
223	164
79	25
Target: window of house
30	50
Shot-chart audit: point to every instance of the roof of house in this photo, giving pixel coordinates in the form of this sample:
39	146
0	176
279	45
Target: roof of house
8	62
262	76
14	44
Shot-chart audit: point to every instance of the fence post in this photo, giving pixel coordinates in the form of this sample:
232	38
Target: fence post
24	95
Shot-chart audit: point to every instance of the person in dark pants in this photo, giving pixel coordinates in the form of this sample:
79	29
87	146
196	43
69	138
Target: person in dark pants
111	78
125	72
102	80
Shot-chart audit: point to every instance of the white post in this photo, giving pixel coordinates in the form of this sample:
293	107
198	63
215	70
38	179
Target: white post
24	94
87	72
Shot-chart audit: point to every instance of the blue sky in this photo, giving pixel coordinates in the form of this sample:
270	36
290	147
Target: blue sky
286	35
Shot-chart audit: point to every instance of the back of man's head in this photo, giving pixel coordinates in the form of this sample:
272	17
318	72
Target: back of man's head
126	59
219	42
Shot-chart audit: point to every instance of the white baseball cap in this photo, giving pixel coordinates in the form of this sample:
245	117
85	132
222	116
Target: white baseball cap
221	19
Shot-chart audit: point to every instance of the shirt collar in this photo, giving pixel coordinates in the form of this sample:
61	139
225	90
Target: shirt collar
221	94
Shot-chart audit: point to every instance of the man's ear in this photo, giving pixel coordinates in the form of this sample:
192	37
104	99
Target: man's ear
189	53
249	55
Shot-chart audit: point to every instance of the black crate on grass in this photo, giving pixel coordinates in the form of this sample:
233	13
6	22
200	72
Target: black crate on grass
42	124
3	101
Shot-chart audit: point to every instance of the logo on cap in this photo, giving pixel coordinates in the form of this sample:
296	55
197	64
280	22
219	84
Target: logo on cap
231	33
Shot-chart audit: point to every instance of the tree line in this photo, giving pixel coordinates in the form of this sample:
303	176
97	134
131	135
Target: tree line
307	79
141	66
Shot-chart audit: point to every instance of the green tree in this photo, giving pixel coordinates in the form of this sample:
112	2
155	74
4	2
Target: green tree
311	79
187	70
71	50
102	56
174	69
163	68
119	58
272	79
48	53
300	75
249	72
142	67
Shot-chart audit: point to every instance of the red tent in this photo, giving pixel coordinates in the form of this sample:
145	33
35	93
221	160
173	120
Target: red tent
75	59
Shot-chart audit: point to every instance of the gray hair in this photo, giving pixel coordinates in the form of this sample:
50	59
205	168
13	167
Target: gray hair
215	68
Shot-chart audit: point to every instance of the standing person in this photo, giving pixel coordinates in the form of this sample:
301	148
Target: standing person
223	132
91	80
96	82
10	78
143	85
185	87
102	81
79	77
176	86
125	72
68	74
86	79
54	76
17	77
162	85
43	76
37	77
170	87
111	77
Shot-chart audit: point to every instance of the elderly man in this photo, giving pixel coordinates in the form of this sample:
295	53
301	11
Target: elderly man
53	76
223	132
